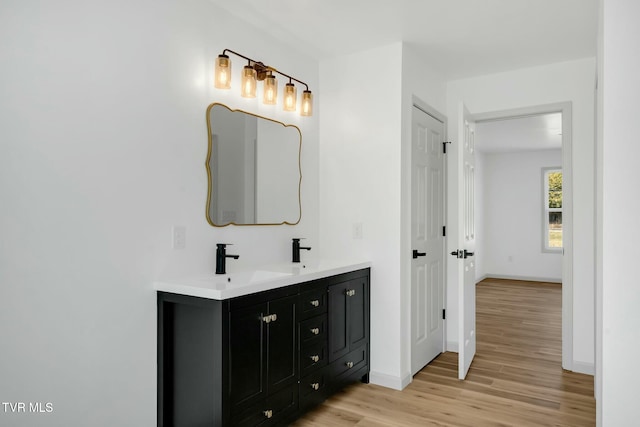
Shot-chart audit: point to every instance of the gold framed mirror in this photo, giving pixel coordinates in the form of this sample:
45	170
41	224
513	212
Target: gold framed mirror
253	169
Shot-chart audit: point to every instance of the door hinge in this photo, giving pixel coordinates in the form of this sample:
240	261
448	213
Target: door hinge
444	146
444	314
444	231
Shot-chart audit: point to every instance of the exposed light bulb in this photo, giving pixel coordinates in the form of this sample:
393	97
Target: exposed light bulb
307	103
248	82
290	97
222	79
270	90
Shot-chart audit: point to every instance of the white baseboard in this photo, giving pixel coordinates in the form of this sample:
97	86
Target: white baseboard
390	381
583	367
526	278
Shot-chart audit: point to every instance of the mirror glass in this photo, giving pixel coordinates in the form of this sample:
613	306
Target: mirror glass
253	165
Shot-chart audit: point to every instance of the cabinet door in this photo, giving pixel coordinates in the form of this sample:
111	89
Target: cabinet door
338	326
348	316
247	354
358	312
281	343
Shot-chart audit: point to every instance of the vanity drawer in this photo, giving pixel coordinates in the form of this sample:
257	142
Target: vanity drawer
350	363
313	357
314	388
313	302
271	411
313	329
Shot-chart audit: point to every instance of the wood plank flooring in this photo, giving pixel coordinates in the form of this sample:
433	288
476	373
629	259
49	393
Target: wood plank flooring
516	378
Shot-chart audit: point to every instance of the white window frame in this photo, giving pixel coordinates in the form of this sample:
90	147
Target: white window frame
546	210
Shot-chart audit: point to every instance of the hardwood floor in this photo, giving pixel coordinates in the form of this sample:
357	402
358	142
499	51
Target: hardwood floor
516	378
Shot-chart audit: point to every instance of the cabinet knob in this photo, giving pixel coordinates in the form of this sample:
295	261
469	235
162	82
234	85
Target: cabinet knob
350	292
349	365
315	331
315	303
315	358
315	386
274	317
268	413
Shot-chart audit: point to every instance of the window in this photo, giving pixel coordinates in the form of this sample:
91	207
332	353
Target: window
552	210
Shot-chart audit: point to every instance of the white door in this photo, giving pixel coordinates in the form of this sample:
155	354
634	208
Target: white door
428	245
466	243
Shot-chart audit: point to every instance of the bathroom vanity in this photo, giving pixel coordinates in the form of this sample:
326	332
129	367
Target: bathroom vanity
259	348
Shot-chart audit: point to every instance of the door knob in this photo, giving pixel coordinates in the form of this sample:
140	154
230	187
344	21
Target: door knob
416	254
467	254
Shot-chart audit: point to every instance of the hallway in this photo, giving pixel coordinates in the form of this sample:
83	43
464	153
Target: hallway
516	378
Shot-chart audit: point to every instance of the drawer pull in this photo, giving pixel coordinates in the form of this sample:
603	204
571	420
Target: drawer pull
349	365
268	413
315	358
270	318
315	331
350	292
315	303
315	386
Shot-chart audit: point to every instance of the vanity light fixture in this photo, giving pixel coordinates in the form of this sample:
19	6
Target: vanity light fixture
256	71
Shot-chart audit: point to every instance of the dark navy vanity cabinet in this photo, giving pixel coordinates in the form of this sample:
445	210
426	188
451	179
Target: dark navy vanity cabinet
261	359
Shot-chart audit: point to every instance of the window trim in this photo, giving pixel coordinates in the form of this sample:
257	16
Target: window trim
546	210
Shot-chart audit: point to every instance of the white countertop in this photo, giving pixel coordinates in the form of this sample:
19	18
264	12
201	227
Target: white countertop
235	284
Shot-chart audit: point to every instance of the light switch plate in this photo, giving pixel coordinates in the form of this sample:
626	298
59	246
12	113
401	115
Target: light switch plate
179	233
357	230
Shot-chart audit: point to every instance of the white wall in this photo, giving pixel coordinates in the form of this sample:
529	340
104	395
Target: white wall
365	129
568	81
512	230
102	147
360	182
620	371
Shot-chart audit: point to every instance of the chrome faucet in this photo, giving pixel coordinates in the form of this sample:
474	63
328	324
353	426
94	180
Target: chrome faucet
221	258
296	250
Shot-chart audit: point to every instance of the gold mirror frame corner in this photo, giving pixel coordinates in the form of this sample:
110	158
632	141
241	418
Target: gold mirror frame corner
208	168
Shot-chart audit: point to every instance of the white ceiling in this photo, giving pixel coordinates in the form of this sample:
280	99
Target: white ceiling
463	38
531	133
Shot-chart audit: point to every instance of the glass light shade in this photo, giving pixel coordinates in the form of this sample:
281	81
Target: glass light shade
248	82
290	97
307	103
270	90
223	72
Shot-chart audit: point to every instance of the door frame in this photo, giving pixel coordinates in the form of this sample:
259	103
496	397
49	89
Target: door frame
426	108
567	207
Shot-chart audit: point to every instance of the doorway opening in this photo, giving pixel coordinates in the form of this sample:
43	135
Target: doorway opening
522	219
